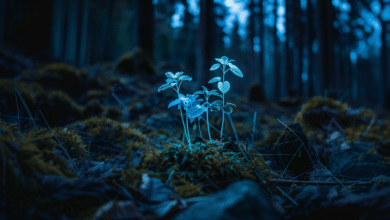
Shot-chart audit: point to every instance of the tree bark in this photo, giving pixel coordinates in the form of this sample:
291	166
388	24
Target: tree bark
309	33
300	48
251	54
205	43
325	29
276	58
289	37
262	44
385	88
144	37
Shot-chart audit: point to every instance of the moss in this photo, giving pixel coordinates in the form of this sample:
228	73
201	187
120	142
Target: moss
28	91
201	171
137	62
309	124
56	76
57	107
71	141
113	113
271	138
105	130
38	147
96	94
93	108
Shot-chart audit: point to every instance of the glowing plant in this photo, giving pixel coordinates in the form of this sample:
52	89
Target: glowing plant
190	104
214	106
223	85
193	106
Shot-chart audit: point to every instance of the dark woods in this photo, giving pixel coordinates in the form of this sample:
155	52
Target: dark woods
308	47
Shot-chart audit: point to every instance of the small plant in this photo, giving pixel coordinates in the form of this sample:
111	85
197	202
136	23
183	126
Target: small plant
190	104
214	106
194	107
223	85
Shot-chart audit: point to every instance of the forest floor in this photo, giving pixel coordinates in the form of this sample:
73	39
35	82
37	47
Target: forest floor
94	144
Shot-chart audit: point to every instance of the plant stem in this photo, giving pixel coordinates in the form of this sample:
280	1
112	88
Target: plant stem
200	132
184	126
188	130
223	102
208	125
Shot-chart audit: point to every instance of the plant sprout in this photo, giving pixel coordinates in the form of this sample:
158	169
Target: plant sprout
191	105
216	105
223	85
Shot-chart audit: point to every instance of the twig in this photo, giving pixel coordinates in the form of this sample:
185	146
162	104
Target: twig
295	151
254	125
63	148
256	171
25	106
323	167
234	129
287	196
17	109
288	182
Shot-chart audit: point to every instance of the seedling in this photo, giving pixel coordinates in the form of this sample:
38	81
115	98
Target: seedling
223	85
190	104
194	107
214	106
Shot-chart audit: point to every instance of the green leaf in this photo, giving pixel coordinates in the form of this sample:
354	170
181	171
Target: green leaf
178	74
196	111
198	93
174	102
185	77
228	103
163	87
214	92
169	80
227	109
224	87
224	60
219	60
215	66
235	69
169	74
215	79
216	105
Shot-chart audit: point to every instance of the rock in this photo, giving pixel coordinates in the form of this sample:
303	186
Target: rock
240	200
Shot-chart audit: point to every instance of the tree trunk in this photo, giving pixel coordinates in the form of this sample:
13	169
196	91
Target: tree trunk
289	37
83	33
251	53
309	33
300	49
3	12
205	42
262	44
325	29
385	88
276	57
144	34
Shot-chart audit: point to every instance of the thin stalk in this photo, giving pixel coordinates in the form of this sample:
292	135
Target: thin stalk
184	126
200	132
188	130
208	125
223	101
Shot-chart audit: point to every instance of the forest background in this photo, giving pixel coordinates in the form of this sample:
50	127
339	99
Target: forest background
306	47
